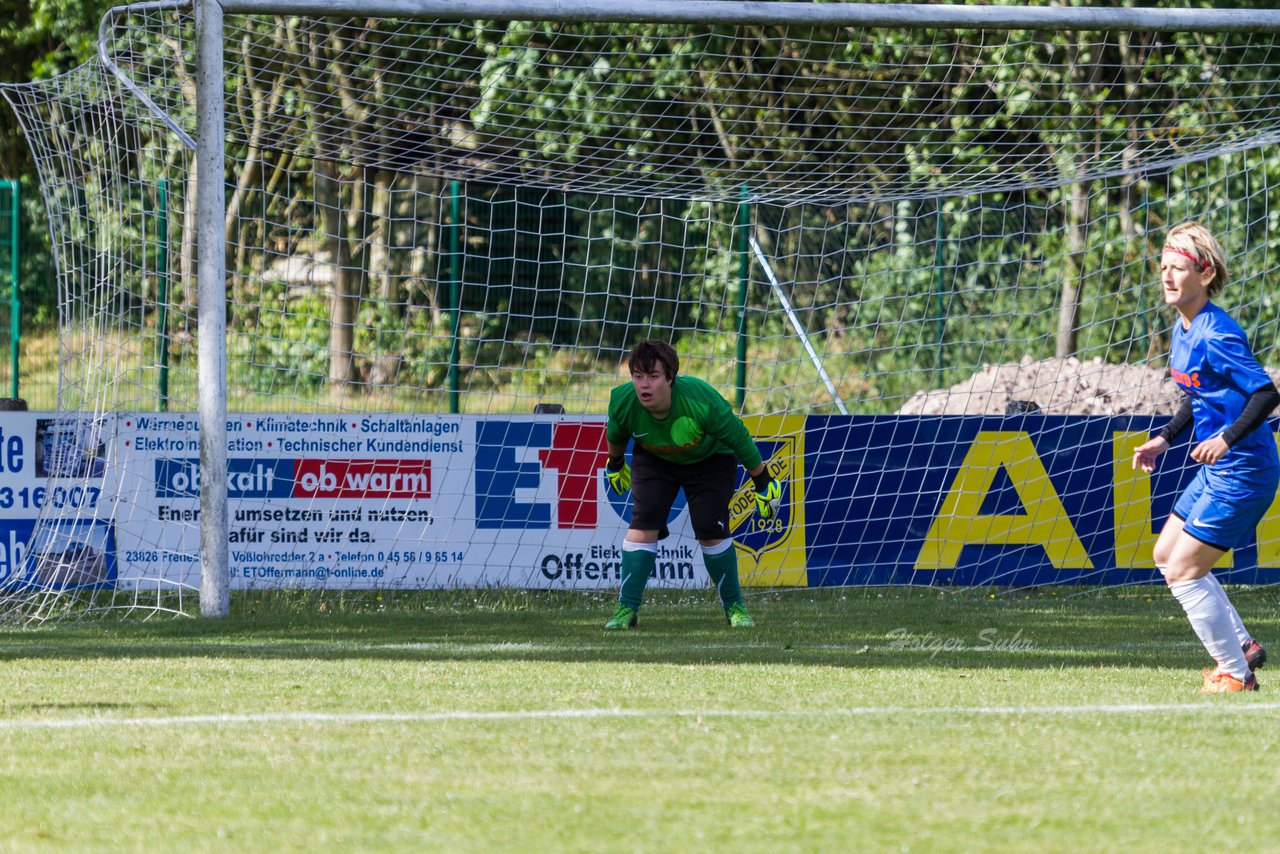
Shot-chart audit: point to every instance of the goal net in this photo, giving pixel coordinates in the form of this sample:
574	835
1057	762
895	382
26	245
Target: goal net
918	259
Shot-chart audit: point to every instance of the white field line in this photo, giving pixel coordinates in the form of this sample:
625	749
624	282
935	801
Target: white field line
904	646
1230	707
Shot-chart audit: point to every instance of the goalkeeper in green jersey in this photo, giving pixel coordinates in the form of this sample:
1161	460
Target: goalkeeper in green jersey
686	437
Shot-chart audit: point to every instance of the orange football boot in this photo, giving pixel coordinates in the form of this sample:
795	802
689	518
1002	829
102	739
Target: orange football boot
1220	682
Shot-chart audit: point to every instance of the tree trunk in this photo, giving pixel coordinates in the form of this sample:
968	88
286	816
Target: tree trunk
331	241
1073	275
380	252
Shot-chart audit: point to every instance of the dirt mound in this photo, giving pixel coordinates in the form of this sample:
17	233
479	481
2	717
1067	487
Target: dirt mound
1057	387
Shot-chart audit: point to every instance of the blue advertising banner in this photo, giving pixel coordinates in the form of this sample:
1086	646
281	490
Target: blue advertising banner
56	530
522	501
1026	500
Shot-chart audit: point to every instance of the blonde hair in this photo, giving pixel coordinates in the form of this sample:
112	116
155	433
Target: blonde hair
1194	239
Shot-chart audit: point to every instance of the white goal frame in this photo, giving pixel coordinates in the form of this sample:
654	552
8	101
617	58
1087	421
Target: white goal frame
210	140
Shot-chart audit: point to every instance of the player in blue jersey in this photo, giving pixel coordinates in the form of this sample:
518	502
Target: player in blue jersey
1228	396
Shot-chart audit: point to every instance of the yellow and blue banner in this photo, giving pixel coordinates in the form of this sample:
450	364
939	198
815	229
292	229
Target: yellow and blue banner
1021	500
438	500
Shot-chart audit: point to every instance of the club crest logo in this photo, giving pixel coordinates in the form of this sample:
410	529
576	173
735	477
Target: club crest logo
751	532
772	551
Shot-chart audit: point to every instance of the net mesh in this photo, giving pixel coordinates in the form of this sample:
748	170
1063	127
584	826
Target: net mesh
481	218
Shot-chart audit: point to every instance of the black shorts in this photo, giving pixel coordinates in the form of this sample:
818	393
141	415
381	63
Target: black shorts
708	488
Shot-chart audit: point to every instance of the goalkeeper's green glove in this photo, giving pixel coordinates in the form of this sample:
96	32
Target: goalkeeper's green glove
618	473
768	495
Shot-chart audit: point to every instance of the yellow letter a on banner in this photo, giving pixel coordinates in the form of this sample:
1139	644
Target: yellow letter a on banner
960	522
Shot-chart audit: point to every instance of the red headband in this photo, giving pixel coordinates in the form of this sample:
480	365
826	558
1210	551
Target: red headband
1201	264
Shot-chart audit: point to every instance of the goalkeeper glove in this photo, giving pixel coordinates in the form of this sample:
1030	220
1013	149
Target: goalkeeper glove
618	473
768	495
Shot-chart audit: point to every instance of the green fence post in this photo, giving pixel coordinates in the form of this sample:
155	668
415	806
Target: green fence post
162	293
15	304
744	288
455	288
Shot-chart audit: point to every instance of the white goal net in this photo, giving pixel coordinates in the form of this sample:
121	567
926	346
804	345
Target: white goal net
918	260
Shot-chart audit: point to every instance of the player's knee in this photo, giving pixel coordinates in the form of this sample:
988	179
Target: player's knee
1176	571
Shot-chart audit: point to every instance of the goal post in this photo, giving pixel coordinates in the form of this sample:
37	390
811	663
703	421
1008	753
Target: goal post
470	208
211	237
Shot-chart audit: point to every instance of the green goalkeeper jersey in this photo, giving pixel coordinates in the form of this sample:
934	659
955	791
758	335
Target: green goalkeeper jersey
700	423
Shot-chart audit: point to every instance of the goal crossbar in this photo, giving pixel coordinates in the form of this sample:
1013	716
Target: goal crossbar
750	12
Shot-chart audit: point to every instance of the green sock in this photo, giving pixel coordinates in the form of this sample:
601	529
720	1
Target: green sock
723	569
637	566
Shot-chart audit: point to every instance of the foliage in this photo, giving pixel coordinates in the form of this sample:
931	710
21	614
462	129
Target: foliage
910	189
277	347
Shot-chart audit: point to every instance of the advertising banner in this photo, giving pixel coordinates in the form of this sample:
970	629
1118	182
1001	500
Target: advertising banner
409	501
1025	500
419	501
56	529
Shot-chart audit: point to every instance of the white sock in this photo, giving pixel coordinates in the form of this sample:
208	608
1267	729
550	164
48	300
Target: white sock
1211	623
1242	634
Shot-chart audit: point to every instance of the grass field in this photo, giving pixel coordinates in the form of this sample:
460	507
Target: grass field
859	720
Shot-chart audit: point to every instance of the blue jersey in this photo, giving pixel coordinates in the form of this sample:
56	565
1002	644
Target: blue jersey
1213	364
